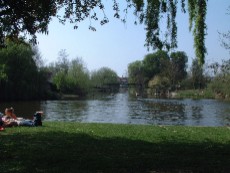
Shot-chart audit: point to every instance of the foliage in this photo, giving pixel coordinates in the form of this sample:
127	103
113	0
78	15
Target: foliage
152	15
59	79
221	81
136	73
104	78
78	77
178	66
3	75
114	148
159	68
31	17
24	16
70	77
20	77
37	56
155	63
59	71
159	83
197	75
197	15
17	17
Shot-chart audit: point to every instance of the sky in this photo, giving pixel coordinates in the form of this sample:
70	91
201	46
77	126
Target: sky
116	44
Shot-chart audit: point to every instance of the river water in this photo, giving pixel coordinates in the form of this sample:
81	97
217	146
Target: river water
121	108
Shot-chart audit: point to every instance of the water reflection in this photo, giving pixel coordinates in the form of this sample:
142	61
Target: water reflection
162	111
112	109
121	108
64	110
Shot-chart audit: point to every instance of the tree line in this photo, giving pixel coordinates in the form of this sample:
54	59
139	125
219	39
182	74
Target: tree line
158	70
161	72
24	77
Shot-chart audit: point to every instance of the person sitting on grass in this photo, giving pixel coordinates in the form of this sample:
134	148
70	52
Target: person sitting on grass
10	119
10	112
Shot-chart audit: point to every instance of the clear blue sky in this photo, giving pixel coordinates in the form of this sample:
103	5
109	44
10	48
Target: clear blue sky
115	44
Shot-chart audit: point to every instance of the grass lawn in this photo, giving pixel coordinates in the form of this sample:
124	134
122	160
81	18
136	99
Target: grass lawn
195	94
81	147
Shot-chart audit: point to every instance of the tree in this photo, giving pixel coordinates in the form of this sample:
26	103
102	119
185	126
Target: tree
63	62
158	85
70	77
20	78
178	67
104	77
60	71
37	56
198	79
220	83
136	73
159	65
155	64
23	16
3	75
59	79
78	77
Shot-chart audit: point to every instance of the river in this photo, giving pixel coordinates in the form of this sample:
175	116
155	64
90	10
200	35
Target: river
121	108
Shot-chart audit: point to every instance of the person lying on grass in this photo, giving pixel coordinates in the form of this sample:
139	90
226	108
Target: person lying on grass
11	120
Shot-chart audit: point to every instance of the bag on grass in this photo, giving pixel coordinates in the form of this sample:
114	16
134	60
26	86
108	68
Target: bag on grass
38	119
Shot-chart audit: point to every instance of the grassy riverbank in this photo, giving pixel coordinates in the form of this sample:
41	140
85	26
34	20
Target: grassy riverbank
195	94
77	147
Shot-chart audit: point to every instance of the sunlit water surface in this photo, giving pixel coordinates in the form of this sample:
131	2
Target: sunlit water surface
121	108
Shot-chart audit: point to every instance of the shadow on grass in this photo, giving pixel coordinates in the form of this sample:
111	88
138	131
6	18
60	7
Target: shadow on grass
67	152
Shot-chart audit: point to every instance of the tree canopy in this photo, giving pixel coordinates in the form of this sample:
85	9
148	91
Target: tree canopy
104	76
23	17
20	77
159	65
70	77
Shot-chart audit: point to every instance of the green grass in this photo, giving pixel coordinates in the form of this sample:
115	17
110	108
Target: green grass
79	147
196	94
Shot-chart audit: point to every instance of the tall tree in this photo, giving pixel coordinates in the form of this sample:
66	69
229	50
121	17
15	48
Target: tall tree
60	71
197	73
20	78
136	73
78	77
104	77
221	80
70	77
178	66
23	16
155	63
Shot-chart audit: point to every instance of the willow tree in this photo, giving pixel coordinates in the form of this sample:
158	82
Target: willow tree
23	17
